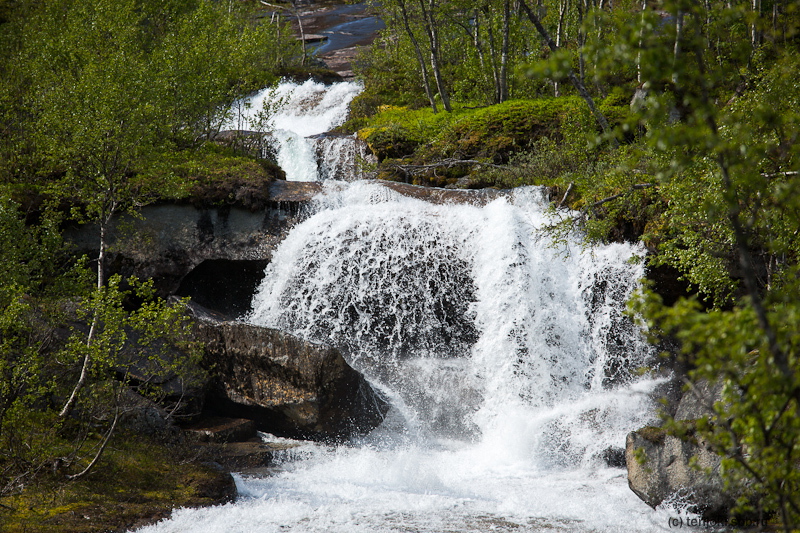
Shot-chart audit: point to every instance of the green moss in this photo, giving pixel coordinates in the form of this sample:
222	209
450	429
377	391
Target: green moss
138	481
652	434
504	128
214	176
389	141
489	133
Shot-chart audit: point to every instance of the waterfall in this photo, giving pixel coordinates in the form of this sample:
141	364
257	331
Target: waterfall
295	114
464	315
507	357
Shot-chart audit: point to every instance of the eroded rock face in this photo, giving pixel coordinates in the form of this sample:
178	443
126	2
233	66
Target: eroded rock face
167	241
287	386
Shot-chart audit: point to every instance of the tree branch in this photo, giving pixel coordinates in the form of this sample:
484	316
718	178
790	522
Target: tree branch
100	451
614	197
564	198
445	163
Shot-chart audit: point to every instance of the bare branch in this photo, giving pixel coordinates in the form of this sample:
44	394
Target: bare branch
564	198
413	170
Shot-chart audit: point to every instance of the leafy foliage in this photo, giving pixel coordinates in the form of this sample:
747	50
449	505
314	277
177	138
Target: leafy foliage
104	107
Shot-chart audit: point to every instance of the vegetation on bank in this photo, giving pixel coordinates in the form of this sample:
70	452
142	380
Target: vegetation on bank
106	107
140	481
700	161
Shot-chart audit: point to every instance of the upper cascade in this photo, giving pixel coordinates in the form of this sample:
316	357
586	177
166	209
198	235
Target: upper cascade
294	113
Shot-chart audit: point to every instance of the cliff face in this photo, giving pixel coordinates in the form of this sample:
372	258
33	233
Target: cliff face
169	241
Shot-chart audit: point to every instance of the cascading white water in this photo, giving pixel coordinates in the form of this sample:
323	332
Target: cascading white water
293	113
339	157
506	357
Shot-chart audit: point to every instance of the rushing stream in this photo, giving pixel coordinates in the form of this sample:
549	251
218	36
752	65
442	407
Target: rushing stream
506	357
298	116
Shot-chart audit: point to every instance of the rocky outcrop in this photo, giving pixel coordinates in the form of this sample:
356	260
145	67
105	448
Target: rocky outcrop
289	387
167	241
663	468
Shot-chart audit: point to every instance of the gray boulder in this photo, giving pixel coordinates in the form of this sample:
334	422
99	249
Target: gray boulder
663	468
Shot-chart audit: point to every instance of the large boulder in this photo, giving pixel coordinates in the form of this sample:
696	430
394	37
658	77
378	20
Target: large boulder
287	386
663	468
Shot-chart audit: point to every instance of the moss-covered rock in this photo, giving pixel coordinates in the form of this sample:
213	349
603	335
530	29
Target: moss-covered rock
139	481
218	176
497	131
388	142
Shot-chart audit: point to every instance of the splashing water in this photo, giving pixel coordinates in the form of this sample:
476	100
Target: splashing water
294	113
507	359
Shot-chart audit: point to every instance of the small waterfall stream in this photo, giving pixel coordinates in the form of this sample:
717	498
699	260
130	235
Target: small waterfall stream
507	358
298	116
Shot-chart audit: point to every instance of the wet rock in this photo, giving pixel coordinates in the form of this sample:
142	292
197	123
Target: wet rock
663	468
698	401
218	429
251	456
289	387
294	191
224	285
660	470
446	196
219	489
614	457
168	241
145	417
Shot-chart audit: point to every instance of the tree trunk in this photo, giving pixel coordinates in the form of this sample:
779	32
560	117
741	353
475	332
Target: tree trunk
105	222
503	85
433	38
495	67
100	450
641	43
581	43
420	58
676	52
562	14
476	40
601	119
755	32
